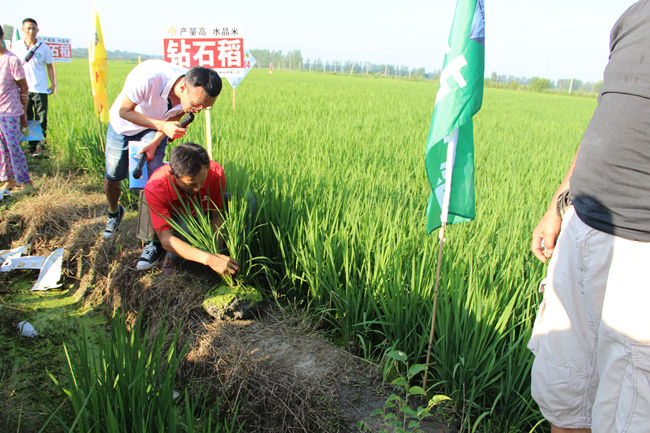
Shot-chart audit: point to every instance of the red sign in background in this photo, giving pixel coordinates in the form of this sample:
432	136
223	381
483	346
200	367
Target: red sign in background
60	47
60	51
216	53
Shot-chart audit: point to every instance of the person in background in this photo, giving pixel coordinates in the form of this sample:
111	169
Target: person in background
155	96
591	338
13	99
190	175
37	61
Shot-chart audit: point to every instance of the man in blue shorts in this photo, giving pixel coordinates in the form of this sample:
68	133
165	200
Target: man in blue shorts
155	96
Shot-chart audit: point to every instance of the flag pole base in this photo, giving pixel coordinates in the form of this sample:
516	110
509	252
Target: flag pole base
441	237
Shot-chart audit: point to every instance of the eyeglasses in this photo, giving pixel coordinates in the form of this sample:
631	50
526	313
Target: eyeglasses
195	107
189	184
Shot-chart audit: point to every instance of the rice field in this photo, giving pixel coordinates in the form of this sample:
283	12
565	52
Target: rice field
336	163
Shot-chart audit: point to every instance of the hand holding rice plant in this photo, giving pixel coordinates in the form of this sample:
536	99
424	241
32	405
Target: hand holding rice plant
222	264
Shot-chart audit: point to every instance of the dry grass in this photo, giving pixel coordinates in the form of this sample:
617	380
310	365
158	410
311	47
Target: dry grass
44	219
284	375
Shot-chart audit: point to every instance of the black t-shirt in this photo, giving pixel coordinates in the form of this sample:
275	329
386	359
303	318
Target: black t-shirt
610	185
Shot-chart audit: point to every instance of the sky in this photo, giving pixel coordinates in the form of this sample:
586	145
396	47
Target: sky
551	39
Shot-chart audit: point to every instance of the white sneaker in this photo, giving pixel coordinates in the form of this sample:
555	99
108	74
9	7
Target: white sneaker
152	254
113	223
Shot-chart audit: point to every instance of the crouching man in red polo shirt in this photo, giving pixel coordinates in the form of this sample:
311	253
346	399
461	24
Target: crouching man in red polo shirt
194	176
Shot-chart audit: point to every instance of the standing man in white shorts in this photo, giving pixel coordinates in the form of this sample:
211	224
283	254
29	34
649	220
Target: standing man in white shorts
591	338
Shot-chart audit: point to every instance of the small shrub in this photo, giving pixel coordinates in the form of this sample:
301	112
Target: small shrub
397	412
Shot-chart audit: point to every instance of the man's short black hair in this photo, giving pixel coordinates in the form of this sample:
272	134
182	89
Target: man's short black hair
30	20
208	79
2	33
188	159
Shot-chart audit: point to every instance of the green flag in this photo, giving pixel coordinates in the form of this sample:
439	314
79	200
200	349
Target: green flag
451	143
15	36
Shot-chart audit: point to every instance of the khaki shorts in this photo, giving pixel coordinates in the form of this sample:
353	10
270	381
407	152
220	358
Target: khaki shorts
591	338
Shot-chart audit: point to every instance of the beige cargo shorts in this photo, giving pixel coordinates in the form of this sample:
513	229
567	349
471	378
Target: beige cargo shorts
591	337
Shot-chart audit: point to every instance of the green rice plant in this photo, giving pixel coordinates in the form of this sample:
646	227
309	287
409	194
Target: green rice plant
337	162
200	418
194	224
242	237
128	385
237	232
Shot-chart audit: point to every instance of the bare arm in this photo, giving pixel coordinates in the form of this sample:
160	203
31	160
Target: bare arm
549	226
52	74
24	99
168	127
219	263
150	148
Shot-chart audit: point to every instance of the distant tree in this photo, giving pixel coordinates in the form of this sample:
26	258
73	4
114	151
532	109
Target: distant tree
587	87
419	73
539	84
262	58
563	84
115	55
597	87
576	85
514	85
277	58
293	59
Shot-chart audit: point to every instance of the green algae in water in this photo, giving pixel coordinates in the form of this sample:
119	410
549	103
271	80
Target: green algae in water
45	309
26	364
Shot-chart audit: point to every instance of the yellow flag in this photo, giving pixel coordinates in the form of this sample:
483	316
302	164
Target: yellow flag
98	70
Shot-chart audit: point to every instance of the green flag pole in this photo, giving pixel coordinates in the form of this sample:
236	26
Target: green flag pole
435	304
451	156
450	145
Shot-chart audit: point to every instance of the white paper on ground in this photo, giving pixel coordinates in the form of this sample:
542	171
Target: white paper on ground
25	262
18	250
26	329
50	272
8	255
